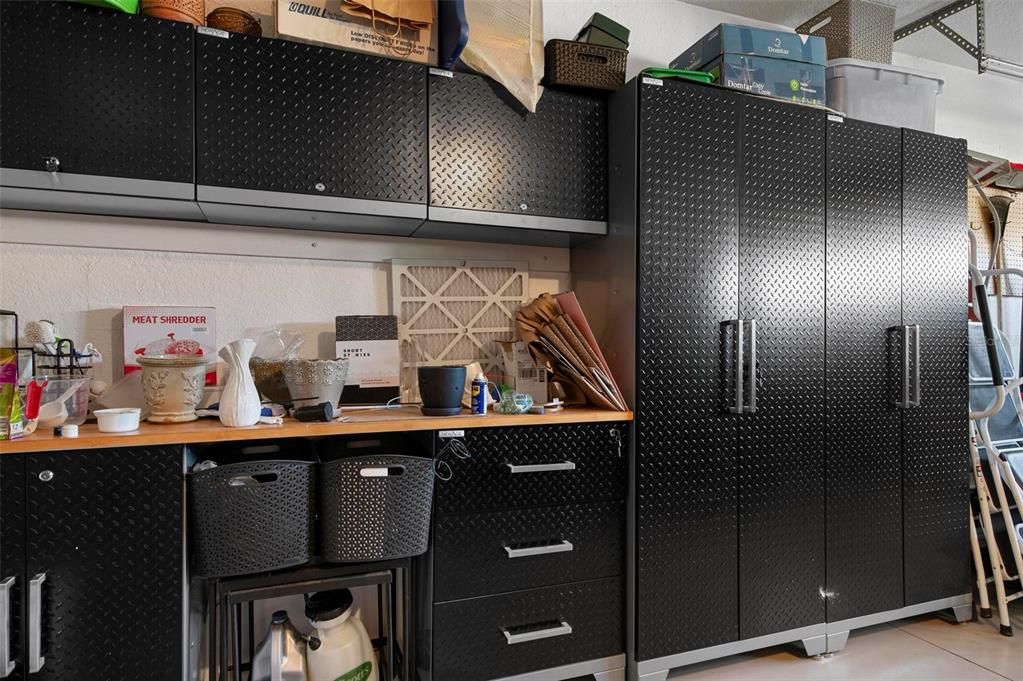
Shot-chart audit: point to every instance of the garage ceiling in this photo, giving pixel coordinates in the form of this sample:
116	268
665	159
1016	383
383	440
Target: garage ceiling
1004	21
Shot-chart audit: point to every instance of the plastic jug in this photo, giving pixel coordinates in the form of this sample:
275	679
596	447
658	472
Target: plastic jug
280	656
345	652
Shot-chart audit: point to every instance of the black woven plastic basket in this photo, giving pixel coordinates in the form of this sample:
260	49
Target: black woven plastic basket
252	517
583	65
375	507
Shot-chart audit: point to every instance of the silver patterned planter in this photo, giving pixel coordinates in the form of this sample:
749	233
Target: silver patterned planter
312	381
172	386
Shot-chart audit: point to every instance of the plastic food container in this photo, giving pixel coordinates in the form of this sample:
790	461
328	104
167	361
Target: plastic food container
118	420
882	93
63	401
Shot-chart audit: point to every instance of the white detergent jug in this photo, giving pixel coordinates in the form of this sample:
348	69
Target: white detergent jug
345	652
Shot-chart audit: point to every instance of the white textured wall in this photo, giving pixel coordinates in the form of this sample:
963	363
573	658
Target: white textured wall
82	288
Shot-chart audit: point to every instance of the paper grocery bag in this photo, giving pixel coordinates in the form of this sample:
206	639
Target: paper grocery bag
415	13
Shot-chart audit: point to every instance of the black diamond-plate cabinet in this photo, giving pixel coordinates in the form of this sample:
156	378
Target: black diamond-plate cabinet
595	533
781	445
484	482
488	153
936	434
470	643
686	439
281	116
12	555
107	93
864	301
106	530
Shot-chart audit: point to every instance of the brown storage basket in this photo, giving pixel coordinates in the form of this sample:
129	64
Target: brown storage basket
855	29
584	65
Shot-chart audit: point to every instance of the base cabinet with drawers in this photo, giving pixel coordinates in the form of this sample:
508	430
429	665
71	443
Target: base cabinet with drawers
525	575
91	565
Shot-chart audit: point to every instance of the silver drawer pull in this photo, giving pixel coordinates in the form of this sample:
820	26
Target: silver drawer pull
526	551
563	629
35	623
6	663
541	467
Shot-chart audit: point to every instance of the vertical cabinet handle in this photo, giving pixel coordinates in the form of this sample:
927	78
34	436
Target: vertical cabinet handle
6	663
561	629
35	623
910	367
739	361
751	408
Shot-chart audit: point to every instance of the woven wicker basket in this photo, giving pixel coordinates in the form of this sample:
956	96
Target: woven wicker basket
234	20
584	65
855	29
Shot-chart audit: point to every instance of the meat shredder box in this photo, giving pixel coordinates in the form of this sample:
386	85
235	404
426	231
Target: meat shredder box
170	330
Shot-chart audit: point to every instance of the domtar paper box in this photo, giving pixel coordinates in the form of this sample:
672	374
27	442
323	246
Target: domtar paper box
161	330
370	344
779	78
747	40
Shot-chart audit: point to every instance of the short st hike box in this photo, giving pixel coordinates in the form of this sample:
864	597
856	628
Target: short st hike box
370	344
161	330
729	39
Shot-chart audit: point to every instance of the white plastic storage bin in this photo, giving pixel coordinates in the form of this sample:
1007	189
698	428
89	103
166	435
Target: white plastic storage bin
883	93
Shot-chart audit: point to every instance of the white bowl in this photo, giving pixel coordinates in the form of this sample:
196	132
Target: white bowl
118	420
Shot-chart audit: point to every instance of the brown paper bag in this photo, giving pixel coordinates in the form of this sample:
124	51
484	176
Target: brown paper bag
414	13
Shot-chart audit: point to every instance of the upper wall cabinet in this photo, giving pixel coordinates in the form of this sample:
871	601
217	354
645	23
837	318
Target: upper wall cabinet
500	173
294	135
97	111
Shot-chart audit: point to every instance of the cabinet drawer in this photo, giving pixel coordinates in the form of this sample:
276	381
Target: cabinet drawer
486	553
497	636
521	467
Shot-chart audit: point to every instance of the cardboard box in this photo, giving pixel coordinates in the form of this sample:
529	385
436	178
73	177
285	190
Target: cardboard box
521	372
780	78
370	344
324	23
747	40
162	330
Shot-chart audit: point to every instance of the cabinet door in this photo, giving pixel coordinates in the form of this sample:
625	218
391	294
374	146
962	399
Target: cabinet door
107	94
12	564
781	300
864	305
106	530
686	589
323	129
936	434
493	162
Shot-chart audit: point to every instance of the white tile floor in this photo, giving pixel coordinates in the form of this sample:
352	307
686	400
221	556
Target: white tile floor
920	649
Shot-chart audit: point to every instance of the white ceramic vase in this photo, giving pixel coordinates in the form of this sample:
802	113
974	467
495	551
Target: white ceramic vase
239	402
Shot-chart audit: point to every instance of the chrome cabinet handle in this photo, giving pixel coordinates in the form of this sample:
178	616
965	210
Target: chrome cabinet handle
6	663
751	408
541	467
35	623
737	408
910	368
526	551
563	629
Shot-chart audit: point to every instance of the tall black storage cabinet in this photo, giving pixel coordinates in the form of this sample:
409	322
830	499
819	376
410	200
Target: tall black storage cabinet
94	544
791	478
111	133
296	135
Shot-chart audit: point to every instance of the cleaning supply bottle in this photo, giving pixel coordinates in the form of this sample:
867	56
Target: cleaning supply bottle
281	654
345	652
479	395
